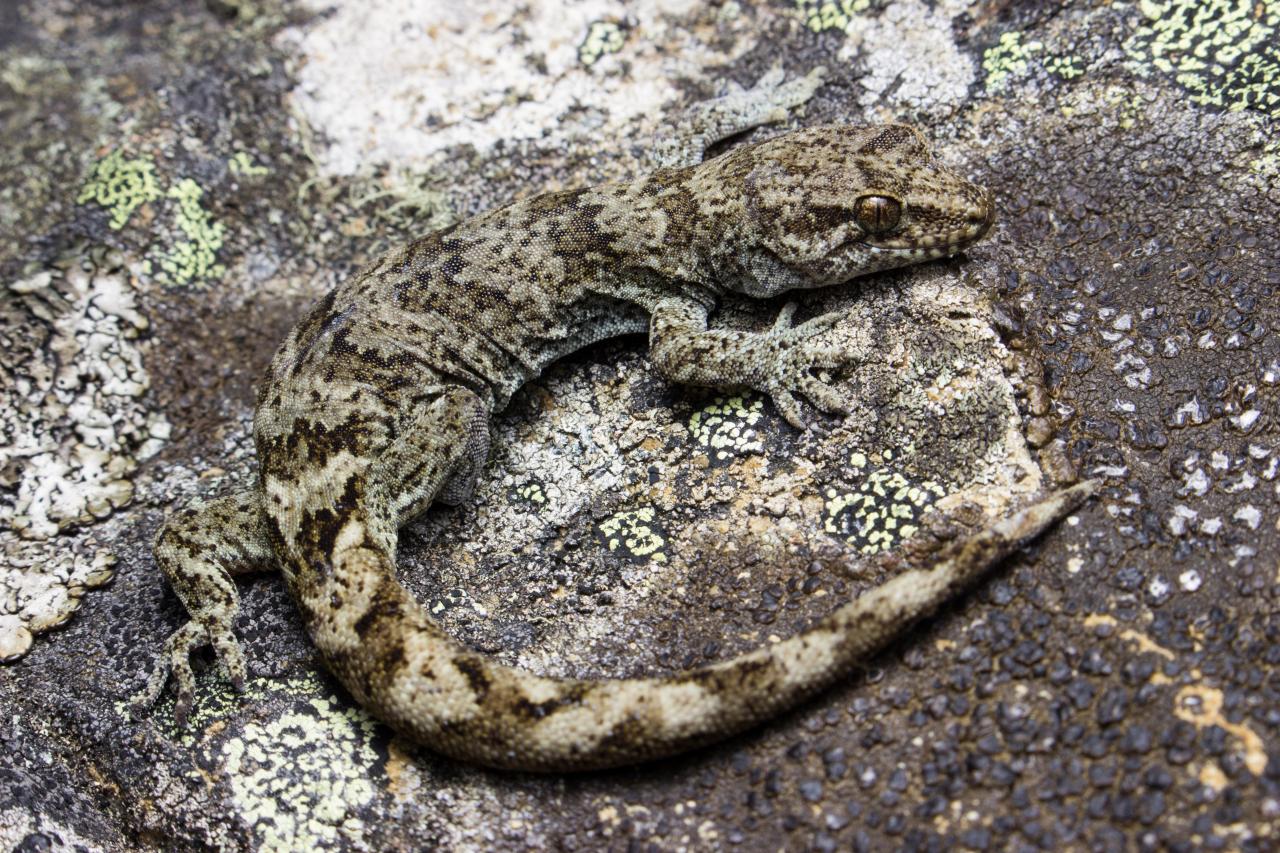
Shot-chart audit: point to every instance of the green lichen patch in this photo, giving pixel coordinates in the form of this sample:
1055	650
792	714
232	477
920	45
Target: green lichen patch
301	779
241	163
1068	66
636	534
195	258
1008	59
1269	162
602	38
884	509
530	491
1226	53
121	185
820	15
726	428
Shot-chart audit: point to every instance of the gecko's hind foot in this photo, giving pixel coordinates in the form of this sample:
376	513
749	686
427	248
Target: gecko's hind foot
175	662
797	354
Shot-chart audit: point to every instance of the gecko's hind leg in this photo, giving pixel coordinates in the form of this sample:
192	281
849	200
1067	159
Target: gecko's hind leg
441	450
201	549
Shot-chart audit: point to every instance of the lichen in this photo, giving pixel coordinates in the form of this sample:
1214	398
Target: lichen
300	778
602	38
726	427
241	163
881	511
636	533
297	778
41	586
1068	66
74	428
195	258
121	186
531	491
1007	59
819	15
72	414
1226	53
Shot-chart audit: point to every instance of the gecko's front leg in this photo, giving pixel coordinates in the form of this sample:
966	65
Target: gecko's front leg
771	100
777	362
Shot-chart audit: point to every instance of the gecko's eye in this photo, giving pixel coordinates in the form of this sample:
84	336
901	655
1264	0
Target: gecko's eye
878	213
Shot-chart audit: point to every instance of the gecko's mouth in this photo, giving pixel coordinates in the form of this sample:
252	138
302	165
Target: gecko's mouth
976	222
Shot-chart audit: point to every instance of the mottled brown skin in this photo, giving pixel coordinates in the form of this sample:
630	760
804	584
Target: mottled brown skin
379	401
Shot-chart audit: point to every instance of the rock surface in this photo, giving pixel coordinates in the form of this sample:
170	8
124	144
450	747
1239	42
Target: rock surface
181	180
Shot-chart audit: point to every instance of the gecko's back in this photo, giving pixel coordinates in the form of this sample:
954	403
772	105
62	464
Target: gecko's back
378	405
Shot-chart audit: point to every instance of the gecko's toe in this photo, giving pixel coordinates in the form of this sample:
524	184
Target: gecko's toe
789	408
824	396
782	323
145	699
230	657
820	323
181	710
830	357
174	666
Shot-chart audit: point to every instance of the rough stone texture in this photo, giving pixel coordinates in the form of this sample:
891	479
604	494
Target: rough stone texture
169	208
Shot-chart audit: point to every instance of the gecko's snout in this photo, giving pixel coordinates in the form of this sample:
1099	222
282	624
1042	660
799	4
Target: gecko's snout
982	215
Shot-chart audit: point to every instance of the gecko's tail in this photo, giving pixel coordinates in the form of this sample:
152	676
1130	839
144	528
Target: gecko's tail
398	662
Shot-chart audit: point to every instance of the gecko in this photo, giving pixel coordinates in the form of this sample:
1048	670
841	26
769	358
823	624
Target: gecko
378	404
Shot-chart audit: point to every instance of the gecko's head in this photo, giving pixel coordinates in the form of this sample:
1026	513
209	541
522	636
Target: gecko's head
831	203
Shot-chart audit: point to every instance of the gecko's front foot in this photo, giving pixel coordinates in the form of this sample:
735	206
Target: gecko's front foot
776	96
793	353
175	662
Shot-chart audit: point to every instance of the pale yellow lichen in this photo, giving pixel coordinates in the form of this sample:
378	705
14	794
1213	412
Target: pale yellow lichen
195	258
883	510
819	15
300	779
1226	53
635	532
1067	67
121	186
602	38
240	163
725	427
1007	59
532	492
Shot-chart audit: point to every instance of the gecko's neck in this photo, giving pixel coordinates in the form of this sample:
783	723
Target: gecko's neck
659	226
